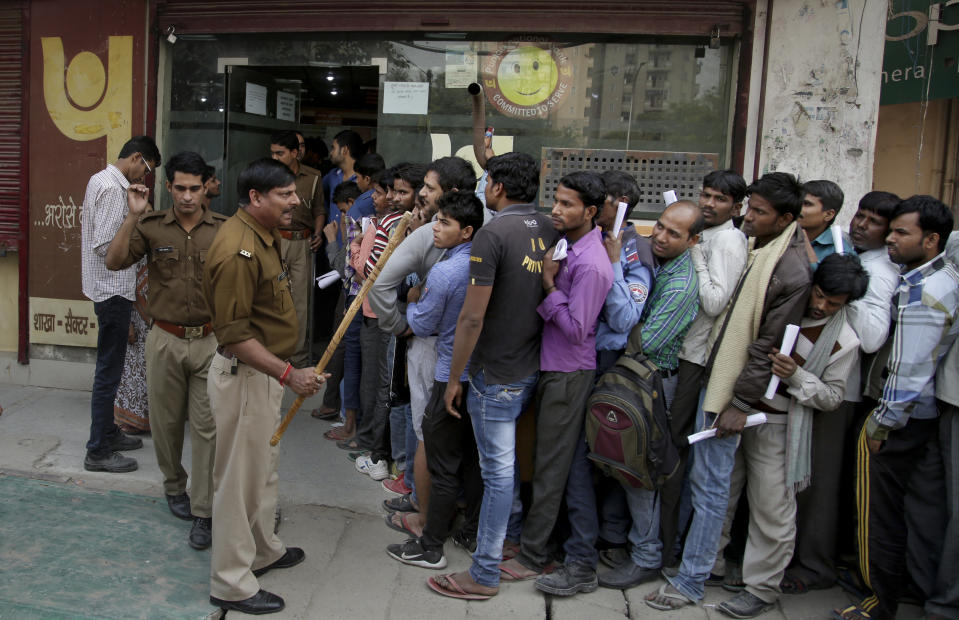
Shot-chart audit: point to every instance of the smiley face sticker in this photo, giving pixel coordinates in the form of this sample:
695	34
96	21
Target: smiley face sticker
526	79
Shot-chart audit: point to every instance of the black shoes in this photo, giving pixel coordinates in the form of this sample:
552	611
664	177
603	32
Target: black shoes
292	557
567	580
179	506
627	575
114	463
201	534
123	443
262	602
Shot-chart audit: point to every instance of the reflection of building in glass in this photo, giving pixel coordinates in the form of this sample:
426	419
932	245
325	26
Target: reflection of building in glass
573	112
630	81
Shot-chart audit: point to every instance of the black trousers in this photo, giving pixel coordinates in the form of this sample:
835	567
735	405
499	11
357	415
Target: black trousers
902	514
682	416
453	463
817	507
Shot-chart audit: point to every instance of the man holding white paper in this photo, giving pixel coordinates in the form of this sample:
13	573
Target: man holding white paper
821	205
719	260
772	293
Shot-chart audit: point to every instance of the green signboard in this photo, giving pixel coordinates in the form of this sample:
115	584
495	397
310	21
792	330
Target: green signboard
921	58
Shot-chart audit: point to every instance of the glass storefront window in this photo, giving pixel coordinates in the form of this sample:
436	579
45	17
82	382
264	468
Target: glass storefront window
408	98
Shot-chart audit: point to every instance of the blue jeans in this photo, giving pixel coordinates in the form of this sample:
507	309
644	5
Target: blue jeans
352	361
713	462
493	412
113	324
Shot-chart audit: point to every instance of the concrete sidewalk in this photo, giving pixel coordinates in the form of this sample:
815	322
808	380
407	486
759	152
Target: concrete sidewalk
329	509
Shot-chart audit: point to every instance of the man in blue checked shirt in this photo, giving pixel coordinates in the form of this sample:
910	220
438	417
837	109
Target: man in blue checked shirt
450	445
901	477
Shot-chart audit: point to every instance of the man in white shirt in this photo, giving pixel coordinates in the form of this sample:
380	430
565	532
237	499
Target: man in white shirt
719	259
112	294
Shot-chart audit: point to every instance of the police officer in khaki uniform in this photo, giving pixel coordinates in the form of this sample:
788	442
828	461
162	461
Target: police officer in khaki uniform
298	240
247	290
180	344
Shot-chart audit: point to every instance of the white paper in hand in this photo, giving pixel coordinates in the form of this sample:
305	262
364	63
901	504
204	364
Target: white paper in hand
365	224
669	197
751	420
328	278
559	252
789	340
620	216
836	231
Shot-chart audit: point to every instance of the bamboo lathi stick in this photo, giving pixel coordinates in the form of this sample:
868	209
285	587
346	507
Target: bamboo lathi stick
398	234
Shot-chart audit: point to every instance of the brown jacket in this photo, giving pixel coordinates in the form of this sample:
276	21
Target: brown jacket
786	300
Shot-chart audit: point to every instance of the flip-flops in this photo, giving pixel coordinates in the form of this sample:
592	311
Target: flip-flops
675	600
510	575
400	504
337	434
348	444
853	612
400	528
319	414
793	585
453	589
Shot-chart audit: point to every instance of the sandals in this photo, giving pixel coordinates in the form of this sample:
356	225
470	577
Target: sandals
853	612
793	585
348	444
400	528
337	434
667	601
400	504
510	574
320	414
453	589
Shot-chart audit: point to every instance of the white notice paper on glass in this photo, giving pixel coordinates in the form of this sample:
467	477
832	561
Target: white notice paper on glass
286	106
255	99
406	97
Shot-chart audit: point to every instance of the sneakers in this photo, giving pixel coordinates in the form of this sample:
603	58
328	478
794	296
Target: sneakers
123	443
412	552
465	541
744	605
397	486
377	470
201	534
568	579
115	463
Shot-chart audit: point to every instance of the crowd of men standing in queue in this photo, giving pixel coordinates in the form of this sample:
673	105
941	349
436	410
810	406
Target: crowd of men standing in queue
488	306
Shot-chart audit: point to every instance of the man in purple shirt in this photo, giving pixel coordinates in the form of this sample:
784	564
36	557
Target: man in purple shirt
576	288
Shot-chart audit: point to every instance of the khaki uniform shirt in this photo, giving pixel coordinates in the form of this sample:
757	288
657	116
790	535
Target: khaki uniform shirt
247	287
175	264
309	187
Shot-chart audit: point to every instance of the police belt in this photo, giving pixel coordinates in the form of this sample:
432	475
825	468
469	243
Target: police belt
296	235
187	332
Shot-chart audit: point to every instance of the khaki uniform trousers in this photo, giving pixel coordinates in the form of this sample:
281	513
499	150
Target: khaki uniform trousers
176	391
246	407
298	255
761	468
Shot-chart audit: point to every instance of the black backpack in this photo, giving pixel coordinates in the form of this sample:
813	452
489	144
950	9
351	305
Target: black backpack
627	427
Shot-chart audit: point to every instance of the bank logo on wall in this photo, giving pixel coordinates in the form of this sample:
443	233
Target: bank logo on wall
86	101
526	79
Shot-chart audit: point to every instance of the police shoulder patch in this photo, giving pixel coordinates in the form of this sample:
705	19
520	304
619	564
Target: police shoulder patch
638	291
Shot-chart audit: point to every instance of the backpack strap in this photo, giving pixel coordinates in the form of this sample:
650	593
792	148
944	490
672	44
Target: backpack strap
634	343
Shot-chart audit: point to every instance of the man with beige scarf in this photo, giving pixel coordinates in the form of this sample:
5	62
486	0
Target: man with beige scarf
772	293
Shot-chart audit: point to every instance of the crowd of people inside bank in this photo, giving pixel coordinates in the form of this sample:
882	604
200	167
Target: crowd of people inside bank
474	340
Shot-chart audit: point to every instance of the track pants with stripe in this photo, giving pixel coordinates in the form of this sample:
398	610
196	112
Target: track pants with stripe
900	496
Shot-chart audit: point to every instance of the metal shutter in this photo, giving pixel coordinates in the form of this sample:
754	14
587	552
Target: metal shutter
640	17
13	198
